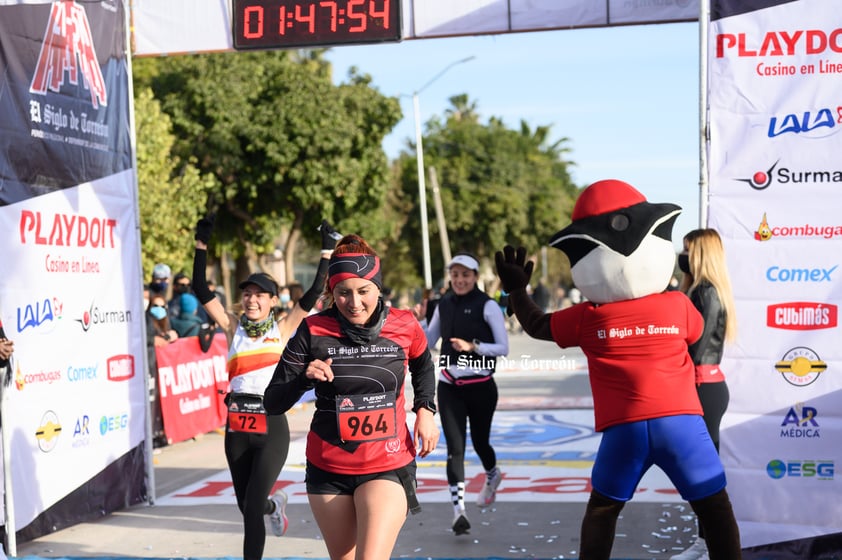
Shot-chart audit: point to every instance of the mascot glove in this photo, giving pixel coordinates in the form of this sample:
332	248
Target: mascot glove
204	228
513	268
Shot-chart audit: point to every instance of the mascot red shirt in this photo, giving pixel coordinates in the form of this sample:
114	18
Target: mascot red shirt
637	355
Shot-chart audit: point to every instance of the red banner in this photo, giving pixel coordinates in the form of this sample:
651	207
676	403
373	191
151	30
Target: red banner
192	384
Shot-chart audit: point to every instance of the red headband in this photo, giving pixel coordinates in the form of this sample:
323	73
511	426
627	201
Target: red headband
354	265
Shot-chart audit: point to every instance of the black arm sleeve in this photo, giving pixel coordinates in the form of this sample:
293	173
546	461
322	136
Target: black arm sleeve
534	321
308	300
289	381
423	379
200	283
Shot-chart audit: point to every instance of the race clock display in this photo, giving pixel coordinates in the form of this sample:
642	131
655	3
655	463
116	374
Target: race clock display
274	24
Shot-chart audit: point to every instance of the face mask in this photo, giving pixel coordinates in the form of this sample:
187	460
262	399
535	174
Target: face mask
284	298
180	289
159	286
158	312
684	263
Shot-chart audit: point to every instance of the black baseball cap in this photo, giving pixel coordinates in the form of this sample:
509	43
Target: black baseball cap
263	281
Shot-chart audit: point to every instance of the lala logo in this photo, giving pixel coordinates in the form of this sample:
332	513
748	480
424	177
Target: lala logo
68	50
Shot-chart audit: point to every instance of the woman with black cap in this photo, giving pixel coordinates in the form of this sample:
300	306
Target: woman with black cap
360	452
472	329
256	443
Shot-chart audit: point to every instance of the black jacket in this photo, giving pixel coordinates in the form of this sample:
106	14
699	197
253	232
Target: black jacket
708	349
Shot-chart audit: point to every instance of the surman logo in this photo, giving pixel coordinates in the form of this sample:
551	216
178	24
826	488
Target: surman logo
67	51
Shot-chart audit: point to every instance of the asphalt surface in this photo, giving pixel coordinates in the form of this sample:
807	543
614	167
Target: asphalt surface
537	515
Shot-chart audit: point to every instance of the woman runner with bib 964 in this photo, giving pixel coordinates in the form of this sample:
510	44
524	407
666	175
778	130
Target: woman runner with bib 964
360	452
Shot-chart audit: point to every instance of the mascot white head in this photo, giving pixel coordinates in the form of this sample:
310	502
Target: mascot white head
619	245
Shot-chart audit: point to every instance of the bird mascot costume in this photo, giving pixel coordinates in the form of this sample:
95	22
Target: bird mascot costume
635	336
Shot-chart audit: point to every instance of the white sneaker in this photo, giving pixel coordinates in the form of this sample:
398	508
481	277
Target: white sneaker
697	551
278	518
461	525
489	491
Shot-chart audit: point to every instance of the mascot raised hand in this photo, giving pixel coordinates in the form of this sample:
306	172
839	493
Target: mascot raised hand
635	336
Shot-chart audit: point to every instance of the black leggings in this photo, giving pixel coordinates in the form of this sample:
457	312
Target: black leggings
714	398
255	461
458	404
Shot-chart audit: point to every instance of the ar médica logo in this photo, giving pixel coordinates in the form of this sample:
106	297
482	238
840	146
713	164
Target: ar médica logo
68	50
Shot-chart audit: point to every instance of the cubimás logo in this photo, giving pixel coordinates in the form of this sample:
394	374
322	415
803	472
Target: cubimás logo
801	315
821	470
800	366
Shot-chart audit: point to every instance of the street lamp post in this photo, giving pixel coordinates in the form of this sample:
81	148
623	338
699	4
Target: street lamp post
422	188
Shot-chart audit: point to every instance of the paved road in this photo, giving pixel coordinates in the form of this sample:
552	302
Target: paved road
545	443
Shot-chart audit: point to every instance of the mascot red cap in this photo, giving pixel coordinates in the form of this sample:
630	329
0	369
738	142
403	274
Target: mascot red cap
619	244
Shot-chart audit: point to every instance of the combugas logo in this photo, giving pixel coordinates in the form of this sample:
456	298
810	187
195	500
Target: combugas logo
765	232
68	52
800	366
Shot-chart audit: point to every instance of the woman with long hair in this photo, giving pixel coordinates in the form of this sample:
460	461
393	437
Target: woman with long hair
708	286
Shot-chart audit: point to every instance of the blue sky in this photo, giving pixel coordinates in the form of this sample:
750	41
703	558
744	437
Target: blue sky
626	98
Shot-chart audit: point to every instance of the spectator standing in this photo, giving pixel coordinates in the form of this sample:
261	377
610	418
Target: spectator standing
473	333
708	286
180	285
256	443
160	279
354	353
188	322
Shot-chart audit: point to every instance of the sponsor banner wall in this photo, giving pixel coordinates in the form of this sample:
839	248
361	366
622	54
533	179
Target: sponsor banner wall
192	386
775	96
71	283
190	26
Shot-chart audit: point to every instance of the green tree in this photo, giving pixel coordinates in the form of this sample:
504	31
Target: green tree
166	198
498	185
287	147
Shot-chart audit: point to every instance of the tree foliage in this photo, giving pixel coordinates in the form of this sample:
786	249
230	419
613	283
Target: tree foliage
498	185
285	146
166	198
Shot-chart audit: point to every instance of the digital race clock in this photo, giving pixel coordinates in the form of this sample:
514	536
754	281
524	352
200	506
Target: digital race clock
271	24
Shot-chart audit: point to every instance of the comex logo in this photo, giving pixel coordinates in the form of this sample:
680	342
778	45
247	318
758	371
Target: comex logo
820	470
800	366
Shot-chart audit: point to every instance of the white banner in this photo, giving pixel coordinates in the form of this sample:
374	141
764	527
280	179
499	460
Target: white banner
775	93
70	303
